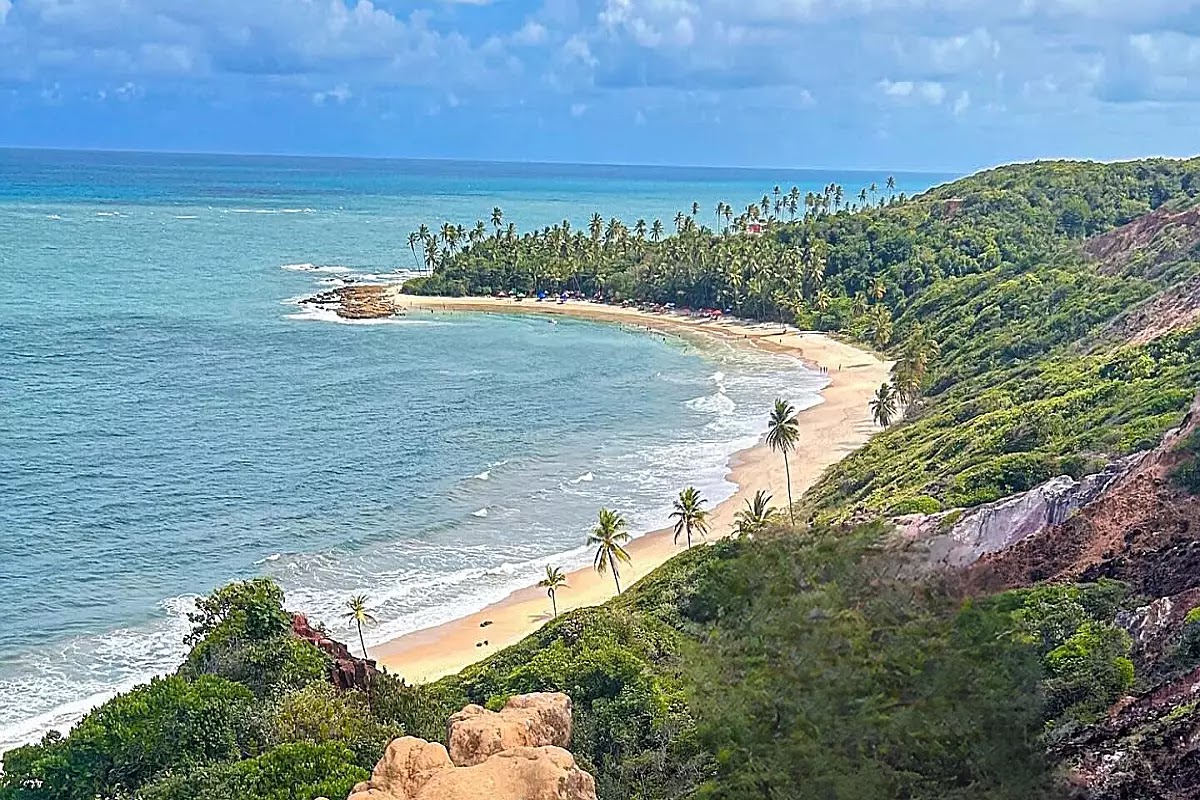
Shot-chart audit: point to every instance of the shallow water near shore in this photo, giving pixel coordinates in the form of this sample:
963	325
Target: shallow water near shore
172	420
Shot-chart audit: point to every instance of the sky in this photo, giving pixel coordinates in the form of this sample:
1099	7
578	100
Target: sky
945	85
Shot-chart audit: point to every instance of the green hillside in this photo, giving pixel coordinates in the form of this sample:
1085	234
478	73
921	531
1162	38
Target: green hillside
798	664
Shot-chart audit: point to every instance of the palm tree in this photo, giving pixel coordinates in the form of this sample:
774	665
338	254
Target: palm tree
883	407
497	219
689	515
756	516
413	238
554	580
783	431
656	230
880	326
879	288
610	536
357	615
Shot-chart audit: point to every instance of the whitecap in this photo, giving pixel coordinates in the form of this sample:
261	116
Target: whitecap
717	403
273	210
186	216
109	214
312	313
585	477
485	475
483	512
335	269
53	216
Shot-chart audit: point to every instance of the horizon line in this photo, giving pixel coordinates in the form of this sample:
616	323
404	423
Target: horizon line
464	160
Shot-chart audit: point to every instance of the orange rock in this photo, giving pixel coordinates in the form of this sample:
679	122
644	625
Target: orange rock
492	768
528	720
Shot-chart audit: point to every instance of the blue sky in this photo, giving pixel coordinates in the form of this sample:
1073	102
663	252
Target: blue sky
919	84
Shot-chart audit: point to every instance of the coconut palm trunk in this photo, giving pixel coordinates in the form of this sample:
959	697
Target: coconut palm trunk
554	602
362	642
787	472
612	564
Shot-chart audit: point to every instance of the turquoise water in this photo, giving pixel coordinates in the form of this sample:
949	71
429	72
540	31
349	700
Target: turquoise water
172	420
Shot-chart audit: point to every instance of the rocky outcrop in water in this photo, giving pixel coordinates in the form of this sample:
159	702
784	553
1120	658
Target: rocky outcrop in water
369	301
514	754
346	671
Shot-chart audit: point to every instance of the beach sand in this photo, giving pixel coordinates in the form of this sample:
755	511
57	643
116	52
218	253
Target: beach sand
828	432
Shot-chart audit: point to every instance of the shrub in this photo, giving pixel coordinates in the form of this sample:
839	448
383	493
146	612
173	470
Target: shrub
295	771
169	723
242	632
320	713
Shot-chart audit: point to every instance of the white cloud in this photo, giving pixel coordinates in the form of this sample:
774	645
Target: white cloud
531	33
578	109
930	92
338	94
651	23
962	103
896	88
577	49
5	7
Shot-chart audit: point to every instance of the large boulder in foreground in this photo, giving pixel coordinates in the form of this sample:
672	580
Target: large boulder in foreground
527	720
413	769
514	754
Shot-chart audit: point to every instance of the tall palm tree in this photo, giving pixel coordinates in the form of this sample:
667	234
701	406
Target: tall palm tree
357	615
883	407
756	516
609	536
879	288
656	230
783	431
554	580
497	219
413	238
690	515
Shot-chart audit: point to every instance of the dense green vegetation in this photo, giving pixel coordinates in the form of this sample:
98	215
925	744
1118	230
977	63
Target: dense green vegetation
906	693
791	661
979	289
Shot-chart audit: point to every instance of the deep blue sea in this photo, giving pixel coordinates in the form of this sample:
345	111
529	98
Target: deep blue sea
171	420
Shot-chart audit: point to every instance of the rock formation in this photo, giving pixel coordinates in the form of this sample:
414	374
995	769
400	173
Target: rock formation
527	720
365	301
994	527
346	671
511	755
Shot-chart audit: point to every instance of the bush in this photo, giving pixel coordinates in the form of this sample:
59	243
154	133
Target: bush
320	713
296	771
170	723
242	632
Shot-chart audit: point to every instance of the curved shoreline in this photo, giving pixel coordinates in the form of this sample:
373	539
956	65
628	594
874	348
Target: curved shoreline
829	430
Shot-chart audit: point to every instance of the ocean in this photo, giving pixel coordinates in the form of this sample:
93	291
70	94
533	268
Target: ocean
171	419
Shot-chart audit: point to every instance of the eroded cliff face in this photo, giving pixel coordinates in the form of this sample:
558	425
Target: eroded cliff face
1132	523
514	754
1142	528
953	540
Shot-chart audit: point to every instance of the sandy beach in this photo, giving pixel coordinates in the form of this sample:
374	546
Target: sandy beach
829	431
